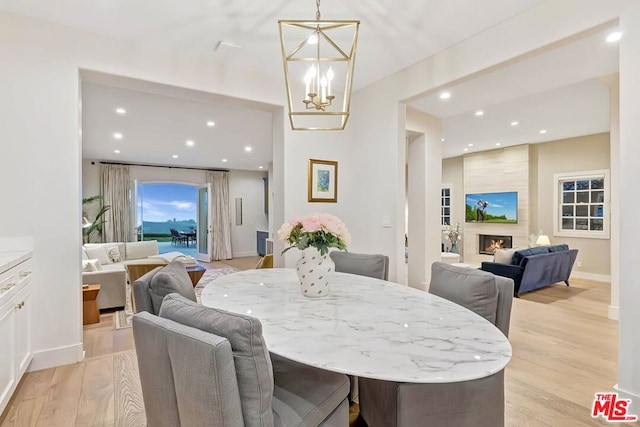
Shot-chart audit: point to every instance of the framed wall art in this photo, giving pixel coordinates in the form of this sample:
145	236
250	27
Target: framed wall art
323	181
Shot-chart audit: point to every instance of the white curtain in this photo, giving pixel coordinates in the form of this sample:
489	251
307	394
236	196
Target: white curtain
114	187
221	218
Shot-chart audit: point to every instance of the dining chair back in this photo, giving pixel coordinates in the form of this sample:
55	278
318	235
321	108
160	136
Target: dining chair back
370	265
200	366
477	403
484	293
150	289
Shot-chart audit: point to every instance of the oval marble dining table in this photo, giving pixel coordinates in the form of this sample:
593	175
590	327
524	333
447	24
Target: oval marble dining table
365	327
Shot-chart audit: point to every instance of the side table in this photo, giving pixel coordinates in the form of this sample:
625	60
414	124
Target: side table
196	273
90	311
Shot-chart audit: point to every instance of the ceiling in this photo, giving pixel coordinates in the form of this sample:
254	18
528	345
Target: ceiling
559	90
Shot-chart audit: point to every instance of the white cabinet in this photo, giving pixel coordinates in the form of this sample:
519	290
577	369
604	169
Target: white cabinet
15	322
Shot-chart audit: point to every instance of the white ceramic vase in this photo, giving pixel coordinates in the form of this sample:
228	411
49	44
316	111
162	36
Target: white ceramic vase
314	272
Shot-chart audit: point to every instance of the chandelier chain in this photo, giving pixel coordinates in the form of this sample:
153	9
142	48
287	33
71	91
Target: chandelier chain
317	10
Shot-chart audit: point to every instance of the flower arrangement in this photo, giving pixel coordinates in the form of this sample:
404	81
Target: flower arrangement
321	231
452	235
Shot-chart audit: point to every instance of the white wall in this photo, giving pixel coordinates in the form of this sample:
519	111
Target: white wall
424	158
249	186
453	175
629	349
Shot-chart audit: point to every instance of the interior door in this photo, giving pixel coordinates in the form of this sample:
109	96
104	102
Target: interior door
204	235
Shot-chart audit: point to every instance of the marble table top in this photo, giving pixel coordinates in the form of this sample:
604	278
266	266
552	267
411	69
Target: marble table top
365	327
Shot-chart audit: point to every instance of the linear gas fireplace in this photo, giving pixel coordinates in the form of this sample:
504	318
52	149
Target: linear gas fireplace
488	243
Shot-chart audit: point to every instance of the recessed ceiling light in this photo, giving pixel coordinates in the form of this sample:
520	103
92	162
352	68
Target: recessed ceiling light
466	149
116	151
498	144
442	139
260	167
248	149
225	160
190	143
614	37
543	131
211	123
445	95
470	145
117	135
120	110
175	156
479	113
514	123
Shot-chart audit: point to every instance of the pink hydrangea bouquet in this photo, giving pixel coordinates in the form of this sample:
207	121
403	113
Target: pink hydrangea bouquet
321	231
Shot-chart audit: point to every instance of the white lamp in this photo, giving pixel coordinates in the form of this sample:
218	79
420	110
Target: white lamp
543	240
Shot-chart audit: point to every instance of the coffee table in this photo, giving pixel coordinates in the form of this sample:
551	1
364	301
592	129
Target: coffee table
196	273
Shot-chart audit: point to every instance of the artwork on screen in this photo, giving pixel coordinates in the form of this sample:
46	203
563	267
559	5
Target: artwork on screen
492	207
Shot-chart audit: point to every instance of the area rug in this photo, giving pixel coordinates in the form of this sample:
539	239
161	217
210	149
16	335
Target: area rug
123	317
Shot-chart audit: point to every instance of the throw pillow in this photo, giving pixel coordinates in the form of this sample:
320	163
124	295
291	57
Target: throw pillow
114	254
251	356
89	265
504	256
99	253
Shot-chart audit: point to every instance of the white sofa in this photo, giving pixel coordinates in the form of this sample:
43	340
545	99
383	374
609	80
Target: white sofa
112	276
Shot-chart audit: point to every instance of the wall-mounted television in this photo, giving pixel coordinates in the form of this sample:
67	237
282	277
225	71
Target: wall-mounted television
492	207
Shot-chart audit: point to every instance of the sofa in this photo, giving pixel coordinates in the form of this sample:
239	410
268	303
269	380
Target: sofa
104	264
533	268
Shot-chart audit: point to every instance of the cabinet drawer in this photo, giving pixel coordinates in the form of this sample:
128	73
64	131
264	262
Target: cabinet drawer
24	272
8	282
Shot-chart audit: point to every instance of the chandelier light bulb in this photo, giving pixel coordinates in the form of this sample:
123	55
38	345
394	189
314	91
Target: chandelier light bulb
313	39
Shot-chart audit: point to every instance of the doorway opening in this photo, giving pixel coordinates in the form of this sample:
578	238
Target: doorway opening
168	212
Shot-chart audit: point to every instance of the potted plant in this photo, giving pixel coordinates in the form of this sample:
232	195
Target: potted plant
98	221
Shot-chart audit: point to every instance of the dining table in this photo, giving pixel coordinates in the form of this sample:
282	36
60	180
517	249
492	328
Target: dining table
365	327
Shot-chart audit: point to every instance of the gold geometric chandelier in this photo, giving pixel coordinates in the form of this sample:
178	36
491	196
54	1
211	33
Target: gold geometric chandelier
318	58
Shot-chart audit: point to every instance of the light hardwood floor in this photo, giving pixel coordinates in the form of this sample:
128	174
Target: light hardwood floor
564	351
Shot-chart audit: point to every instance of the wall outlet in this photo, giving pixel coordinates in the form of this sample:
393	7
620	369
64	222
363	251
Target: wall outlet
578	264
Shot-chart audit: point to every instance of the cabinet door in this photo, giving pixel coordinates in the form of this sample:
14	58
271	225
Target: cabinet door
7	361
23	330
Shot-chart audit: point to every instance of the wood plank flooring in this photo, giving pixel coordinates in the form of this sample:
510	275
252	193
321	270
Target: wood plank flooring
564	351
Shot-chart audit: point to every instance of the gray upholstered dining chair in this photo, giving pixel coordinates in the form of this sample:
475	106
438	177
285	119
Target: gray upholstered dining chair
201	366
477	403
150	289
370	265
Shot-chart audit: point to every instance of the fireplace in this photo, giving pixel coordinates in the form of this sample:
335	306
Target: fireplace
488	243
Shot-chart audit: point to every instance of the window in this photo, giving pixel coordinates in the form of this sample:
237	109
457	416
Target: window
582	204
445	206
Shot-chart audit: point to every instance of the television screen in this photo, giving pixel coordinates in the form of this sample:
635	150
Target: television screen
492	207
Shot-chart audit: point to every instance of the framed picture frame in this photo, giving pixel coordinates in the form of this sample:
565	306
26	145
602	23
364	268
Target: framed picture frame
323	181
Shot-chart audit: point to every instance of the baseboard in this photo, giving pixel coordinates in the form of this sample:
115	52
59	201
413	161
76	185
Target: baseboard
634	408
614	312
244	254
52	357
591	276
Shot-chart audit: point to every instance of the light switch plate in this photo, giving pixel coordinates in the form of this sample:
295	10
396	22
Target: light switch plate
386	221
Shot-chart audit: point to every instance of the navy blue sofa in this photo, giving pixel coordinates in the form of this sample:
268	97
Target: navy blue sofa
537	267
